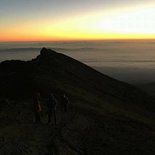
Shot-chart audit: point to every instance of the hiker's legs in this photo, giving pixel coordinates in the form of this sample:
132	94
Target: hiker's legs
65	108
54	117
37	117
49	116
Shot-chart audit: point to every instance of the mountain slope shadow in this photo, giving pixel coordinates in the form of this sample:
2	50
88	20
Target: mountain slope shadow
105	116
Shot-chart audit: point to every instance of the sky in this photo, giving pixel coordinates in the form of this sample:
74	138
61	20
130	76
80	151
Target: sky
47	20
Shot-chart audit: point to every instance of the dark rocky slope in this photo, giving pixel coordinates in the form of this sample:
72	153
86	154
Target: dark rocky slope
106	116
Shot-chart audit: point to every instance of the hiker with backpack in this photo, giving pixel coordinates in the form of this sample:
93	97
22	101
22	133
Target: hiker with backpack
52	103
37	107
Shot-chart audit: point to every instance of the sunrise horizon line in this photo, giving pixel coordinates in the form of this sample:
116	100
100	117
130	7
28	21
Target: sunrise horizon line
72	40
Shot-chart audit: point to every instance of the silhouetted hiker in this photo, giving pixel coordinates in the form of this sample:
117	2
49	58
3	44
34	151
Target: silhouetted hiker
52	103
65	102
37	107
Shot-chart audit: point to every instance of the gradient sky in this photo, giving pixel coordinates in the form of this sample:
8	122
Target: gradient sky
38	20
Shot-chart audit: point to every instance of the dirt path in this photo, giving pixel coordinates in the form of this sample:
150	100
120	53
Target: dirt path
23	137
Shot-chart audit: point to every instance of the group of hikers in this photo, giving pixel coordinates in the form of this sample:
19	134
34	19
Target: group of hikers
51	106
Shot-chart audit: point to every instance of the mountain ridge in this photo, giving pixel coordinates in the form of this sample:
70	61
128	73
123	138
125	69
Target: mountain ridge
73	71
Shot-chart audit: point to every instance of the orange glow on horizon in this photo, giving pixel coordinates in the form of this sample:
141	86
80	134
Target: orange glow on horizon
23	38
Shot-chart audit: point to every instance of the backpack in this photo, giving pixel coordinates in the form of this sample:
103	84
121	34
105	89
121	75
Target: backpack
39	108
